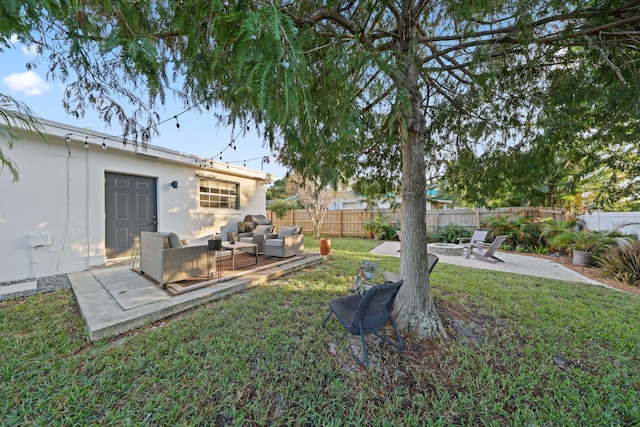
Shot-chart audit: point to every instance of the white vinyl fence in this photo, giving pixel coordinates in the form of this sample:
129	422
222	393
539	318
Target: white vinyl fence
626	222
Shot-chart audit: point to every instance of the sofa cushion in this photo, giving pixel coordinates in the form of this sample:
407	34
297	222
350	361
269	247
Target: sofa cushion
263	229
174	241
287	231
274	242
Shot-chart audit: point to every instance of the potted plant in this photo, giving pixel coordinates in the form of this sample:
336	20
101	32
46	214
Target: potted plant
380	227
585	245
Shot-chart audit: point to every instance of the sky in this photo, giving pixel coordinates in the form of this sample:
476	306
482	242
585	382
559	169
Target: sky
198	134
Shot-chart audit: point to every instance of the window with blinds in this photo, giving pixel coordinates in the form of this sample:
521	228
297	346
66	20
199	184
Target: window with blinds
219	194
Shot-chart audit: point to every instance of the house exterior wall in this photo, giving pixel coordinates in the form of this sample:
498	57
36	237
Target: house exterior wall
58	204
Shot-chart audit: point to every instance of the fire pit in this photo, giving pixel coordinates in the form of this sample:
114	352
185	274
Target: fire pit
450	249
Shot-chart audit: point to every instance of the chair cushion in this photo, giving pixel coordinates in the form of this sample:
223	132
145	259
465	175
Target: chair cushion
246	239
263	229
287	231
274	242
174	241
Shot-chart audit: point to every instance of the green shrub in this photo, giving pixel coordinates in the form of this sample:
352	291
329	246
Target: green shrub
382	228
551	229
597	242
622	263
450	233
519	232
280	208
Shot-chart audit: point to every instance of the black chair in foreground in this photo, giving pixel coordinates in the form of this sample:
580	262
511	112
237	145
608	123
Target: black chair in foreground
367	314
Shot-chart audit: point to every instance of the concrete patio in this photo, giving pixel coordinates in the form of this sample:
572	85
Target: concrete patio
513	263
116	299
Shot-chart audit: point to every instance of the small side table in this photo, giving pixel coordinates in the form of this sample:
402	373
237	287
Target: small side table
215	246
237	246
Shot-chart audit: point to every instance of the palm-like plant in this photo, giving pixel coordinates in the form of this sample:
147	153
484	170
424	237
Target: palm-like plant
595	242
623	263
14	113
551	229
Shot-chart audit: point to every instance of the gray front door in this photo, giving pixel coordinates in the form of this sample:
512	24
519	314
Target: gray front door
130	203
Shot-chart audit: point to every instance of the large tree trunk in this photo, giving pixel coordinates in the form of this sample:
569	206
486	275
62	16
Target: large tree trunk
414	306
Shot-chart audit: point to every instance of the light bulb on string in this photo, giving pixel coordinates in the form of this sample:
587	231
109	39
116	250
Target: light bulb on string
86	142
67	138
104	144
177	122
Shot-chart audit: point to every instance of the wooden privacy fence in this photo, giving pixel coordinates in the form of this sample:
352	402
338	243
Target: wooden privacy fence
350	223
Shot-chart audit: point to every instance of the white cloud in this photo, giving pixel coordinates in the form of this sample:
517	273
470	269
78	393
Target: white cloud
28	82
31	50
28	50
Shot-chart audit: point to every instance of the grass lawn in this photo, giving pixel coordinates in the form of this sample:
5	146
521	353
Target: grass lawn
522	351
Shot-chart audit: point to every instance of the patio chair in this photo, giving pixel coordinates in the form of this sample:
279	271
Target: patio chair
390	277
166	260
288	242
258	236
367	314
479	236
484	253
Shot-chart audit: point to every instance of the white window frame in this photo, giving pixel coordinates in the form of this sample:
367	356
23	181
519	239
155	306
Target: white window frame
218	194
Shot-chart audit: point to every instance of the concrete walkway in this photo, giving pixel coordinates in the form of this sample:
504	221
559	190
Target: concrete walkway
114	300
513	263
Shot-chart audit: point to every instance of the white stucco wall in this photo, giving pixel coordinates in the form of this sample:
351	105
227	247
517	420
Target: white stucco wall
61	192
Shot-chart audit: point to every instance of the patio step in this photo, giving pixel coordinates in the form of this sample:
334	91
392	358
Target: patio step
115	300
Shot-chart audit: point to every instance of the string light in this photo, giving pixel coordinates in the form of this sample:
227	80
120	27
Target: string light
67	140
146	136
203	163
